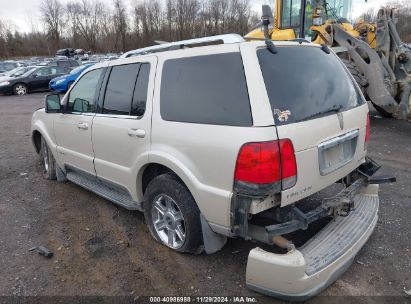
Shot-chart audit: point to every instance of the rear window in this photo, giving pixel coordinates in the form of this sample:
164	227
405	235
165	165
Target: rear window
205	89
306	83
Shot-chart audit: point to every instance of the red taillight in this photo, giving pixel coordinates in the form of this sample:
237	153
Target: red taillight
267	163
367	130
288	164
258	163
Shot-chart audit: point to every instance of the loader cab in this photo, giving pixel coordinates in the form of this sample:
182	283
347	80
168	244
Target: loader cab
301	15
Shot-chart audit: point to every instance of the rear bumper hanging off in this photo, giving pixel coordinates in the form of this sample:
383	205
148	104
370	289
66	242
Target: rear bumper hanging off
301	273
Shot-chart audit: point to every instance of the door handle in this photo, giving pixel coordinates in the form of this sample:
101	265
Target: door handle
136	133
82	125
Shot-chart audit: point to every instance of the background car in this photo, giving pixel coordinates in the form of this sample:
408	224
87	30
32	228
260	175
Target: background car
35	79
63	83
65	52
8	65
16	72
69	63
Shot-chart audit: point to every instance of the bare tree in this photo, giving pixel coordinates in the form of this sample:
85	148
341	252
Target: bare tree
120	23
53	17
87	18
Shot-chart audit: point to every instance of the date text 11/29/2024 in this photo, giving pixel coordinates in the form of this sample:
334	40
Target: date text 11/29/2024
204	299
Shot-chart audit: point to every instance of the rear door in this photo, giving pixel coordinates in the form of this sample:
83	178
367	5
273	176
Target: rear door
122	127
317	105
37	79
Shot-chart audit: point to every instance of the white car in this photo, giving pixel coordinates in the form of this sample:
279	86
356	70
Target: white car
209	136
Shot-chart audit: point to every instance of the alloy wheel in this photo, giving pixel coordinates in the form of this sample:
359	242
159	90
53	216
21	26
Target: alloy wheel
168	221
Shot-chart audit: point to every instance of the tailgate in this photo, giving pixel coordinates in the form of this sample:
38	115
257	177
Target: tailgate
326	150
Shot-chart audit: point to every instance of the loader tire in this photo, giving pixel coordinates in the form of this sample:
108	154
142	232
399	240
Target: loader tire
358	76
380	110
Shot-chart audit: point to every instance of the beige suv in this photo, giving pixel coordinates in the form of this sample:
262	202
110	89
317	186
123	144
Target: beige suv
218	137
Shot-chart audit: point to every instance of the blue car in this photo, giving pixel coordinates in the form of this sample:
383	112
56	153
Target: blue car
63	83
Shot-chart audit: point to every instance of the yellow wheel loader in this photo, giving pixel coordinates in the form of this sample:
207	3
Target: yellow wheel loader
374	53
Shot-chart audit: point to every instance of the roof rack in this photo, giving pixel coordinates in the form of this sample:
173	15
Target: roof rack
177	45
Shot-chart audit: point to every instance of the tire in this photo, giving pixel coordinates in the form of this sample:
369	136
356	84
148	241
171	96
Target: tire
20	89
355	72
382	112
172	214
47	161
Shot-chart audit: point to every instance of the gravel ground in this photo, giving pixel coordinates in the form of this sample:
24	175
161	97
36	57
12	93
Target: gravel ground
103	250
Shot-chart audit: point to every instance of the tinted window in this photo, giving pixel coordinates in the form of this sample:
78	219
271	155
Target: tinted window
74	63
290	13
61	70
81	97
140	92
41	72
307	82
120	89
64	63
205	89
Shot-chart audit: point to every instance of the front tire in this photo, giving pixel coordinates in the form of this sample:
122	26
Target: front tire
172	214
47	161
20	89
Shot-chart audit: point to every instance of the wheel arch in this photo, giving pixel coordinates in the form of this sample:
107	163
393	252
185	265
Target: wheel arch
157	167
36	140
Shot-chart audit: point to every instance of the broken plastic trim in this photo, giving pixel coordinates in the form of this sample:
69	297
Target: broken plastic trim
339	205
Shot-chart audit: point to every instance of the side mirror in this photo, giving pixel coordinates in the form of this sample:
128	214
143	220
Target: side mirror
80	105
52	103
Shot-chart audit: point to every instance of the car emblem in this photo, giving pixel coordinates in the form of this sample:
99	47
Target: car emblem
341	120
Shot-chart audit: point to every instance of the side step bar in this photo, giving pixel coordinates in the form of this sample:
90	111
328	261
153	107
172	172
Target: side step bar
112	193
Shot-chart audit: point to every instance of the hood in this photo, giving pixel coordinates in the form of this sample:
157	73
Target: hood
7	78
60	77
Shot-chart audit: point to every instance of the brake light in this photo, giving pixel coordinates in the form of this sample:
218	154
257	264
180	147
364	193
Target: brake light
258	163
264	163
367	130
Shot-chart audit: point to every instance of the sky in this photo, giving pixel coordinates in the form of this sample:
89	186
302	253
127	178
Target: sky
23	13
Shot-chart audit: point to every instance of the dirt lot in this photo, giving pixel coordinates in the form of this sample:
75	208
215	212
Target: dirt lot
101	249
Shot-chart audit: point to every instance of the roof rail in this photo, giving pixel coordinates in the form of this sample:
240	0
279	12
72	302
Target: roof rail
219	39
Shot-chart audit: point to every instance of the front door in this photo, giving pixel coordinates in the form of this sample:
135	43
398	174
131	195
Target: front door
73	128
121	131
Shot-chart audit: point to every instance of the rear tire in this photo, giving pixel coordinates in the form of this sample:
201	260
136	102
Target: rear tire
172	214
20	89
47	161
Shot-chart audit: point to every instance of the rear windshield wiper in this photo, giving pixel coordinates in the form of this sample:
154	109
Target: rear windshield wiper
334	108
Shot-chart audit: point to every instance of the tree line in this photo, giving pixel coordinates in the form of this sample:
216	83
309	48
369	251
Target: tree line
402	14
93	25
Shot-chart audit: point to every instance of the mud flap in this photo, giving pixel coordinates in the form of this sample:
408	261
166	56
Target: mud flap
213	242
61	176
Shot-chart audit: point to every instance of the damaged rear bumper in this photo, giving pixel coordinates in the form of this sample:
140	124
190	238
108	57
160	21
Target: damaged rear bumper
302	273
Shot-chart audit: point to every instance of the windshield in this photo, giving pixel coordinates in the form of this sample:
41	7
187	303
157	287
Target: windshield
339	9
20	71
306	83
28	72
77	70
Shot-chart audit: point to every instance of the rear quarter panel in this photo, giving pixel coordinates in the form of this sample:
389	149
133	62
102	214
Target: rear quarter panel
203	156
